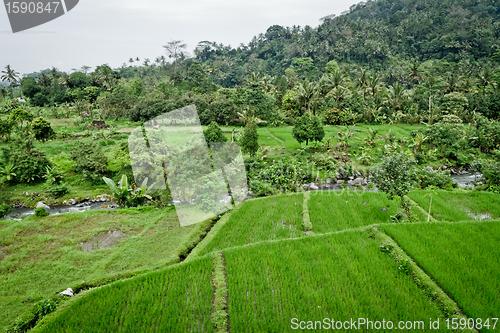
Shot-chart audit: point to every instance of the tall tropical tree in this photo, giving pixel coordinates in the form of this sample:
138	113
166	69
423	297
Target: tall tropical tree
175	49
452	83
396	97
11	76
249	115
85	69
485	78
307	93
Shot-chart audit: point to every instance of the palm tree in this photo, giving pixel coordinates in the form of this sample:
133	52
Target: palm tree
307	92
415	74
396	97
163	60
363	78
253	79
485	78
334	84
10	76
63	79
452	83
45	80
267	81
54	73
249	115
374	85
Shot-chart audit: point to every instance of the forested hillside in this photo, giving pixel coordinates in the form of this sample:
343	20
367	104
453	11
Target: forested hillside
383	35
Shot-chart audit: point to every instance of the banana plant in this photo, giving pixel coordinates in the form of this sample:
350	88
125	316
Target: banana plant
126	196
372	136
7	173
365	157
344	136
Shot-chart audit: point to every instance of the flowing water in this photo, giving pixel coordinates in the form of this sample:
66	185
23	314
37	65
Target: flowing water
466	180
21	213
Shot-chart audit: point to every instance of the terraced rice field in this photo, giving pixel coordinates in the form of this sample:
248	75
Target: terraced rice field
456	206
178	299
261	220
272	271
339	276
340	210
461	257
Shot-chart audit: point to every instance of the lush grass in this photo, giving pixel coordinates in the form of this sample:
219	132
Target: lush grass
285	134
266	138
178	299
339	210
340	276
258	220
459	206
44	255
461	257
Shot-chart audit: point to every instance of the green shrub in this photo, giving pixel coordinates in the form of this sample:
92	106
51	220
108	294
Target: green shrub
42	130
43	308
5	209
491	173
41	212
438	179
405	266
249	141
39	99
286	175
448	135
119	160
90	160
386	248
63	162
5	129
160	198
30	163
52	175
324	161
8	173
58	190
336	116
396	176
20	116
398	217
214	134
